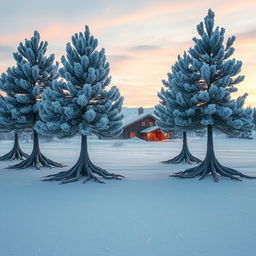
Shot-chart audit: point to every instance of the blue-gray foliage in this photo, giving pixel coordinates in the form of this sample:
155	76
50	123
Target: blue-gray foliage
6	122
80	102
24	83
164	110
200	84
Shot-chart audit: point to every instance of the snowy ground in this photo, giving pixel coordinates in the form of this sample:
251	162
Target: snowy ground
147	214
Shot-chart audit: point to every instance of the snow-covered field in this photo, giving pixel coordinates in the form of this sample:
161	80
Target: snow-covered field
146	214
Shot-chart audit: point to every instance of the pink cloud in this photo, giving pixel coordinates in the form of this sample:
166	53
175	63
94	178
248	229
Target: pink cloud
61	31
224	8
3	68
147	13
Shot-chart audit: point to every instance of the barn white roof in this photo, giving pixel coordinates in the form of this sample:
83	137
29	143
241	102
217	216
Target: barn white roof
134	116
150	129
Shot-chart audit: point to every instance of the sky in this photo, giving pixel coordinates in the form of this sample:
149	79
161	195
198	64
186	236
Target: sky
142	38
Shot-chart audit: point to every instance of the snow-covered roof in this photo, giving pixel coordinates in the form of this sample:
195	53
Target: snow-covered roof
150	129
131	115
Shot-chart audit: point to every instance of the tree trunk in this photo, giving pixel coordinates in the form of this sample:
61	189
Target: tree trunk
16	152
83	168
210	150
36	158
184	155
210	165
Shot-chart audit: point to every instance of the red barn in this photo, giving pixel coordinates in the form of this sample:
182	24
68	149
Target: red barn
142	125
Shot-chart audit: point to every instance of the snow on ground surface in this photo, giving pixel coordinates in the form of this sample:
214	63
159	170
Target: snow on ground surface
147	214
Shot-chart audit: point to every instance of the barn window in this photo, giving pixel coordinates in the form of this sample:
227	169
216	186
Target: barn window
143	123
151	123
133	134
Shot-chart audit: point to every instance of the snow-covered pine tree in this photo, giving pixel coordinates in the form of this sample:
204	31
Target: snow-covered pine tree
33	72
7	124
168	103
211	76
81	103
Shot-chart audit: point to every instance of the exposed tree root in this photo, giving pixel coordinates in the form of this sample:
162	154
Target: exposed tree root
211	166
36	159
83	168
16	153
184	155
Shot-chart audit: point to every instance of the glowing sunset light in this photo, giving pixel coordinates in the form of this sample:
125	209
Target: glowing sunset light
142	38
